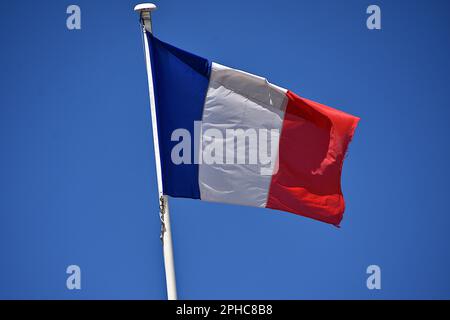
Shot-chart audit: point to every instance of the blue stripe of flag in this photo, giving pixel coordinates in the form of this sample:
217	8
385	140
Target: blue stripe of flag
181	83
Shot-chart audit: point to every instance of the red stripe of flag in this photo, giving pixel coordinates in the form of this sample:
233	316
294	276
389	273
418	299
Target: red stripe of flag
313	143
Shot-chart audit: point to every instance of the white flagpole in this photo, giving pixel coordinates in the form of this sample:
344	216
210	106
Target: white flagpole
144	11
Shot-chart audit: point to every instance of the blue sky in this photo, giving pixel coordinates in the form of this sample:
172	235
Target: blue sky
77	177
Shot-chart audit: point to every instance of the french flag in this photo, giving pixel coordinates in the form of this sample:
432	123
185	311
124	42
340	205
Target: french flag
310	146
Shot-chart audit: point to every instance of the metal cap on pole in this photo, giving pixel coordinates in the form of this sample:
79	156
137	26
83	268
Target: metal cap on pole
144	10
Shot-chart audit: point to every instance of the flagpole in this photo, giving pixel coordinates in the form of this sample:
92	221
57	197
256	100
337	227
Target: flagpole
144	11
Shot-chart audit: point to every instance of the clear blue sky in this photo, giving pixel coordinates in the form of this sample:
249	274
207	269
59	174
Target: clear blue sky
77	178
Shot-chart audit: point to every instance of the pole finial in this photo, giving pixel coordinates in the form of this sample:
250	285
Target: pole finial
145	10
145	7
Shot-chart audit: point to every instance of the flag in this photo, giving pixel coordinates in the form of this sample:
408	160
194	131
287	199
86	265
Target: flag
232	137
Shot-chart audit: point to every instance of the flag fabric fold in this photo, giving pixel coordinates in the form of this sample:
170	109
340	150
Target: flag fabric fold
220	106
